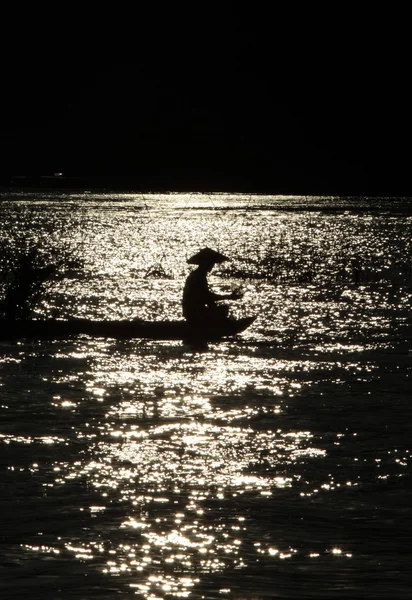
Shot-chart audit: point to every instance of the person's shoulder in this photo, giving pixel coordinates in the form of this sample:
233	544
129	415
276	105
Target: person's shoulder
196	277
196	274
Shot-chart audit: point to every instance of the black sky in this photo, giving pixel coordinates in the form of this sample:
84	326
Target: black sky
254	103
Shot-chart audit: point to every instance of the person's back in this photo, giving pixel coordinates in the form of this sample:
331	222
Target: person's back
196	296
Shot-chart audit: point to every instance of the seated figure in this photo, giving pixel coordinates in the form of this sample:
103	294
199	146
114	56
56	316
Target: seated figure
199	303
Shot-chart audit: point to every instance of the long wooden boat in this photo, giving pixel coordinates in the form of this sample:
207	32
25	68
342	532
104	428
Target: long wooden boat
155	330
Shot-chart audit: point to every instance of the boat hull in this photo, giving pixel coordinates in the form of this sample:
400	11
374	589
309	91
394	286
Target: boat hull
157	330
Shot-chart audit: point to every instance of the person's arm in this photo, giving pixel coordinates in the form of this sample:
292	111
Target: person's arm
236	295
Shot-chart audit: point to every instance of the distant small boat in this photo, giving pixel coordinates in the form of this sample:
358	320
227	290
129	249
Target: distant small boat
155	330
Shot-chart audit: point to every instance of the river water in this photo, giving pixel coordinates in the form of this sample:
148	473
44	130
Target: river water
272	465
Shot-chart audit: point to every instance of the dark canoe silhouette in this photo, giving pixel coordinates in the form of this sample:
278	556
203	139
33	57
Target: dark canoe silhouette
155	330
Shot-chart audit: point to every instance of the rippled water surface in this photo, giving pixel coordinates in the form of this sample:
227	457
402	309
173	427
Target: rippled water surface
272	465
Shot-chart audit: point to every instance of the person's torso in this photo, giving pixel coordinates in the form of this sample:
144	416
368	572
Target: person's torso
195	293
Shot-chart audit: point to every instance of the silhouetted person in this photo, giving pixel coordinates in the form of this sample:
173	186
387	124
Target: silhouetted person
199	303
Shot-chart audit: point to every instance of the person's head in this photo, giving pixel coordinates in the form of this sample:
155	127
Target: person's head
207	258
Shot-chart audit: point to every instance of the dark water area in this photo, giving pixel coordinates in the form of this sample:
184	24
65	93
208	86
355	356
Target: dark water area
275	464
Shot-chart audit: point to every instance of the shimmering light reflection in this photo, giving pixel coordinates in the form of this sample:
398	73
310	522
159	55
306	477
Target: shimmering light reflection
7	439
151	468
160	465
174	441
200	454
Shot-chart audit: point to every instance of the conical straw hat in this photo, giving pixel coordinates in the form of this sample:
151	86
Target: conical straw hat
207	255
